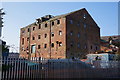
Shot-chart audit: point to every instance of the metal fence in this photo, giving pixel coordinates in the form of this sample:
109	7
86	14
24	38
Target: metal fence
106	64
16	68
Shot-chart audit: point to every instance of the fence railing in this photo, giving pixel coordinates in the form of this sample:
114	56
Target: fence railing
16	68
106	64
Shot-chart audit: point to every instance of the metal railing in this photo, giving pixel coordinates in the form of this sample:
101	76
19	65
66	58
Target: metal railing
17	68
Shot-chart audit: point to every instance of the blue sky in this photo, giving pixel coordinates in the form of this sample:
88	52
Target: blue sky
20	14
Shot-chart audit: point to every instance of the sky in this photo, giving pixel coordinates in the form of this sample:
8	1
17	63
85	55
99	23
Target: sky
21	14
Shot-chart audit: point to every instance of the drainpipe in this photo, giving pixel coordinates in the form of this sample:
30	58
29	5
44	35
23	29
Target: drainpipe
29	55
50	40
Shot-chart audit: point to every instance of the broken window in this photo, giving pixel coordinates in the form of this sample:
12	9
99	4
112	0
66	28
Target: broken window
52	23
38	46
71	44
33	38
45	35
52	44
45	45
28	39
58	21
33	28
91	46
60	44
22	41
28	29
38	36
45	25
60	32
39	27
52	34
57	42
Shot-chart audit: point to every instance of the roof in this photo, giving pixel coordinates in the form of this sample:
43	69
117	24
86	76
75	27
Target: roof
56	17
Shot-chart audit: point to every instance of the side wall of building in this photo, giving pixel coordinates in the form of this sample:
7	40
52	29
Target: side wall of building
82	32
44	39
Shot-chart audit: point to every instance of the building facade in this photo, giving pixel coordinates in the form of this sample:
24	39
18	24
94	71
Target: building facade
70	35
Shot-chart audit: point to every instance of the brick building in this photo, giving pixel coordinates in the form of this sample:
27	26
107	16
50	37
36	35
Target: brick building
70	35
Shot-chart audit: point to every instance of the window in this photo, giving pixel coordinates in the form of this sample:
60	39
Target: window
38	36
22	49
78	35
38	46
85	46
58	21
45	35
39	27
91	47
45	45
22	41
60	32
71	44
52	23
52	34
33	28
23	31
71	33
78	24
27	48
71	21
78	45
28	29
57	42
85	25
96	48
28	39
45	25
52	44
84	16
33	49
33	38
60	44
